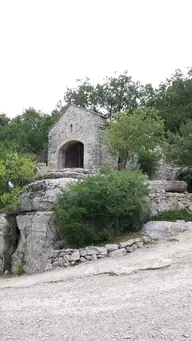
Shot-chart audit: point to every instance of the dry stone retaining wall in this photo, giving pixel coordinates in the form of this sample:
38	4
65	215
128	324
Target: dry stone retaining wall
69	257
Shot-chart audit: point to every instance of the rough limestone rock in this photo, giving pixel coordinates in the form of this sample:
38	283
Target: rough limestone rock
168	186
37	237
41	195
8	240
164	229
96	250
117	253
79	173
111	247
166	195
129	242
75	256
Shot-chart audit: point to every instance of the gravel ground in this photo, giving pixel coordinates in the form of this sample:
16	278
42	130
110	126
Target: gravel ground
143	296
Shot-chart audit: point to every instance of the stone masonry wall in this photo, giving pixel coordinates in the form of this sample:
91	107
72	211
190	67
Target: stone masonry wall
87	127
68	257
167	195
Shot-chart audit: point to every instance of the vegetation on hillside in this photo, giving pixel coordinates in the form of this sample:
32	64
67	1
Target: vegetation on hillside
16	170
101	208
139	116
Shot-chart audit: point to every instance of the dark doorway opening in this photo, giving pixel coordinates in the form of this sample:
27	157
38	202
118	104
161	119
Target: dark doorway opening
74	155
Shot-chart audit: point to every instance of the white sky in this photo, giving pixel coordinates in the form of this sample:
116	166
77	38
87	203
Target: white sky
48	44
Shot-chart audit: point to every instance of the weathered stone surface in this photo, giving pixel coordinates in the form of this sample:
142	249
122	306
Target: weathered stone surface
166	171
96	250
164	229
94	257
176	186
66	258
41	195
75	173
127	243
139	244
76	124
82	253
190	209
117	253
130	249
37	237
146	239
55	265
8	240
48	267
75	256
111	247
162	200
82	260
61	261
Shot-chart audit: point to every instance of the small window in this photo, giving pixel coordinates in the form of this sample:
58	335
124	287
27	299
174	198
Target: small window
71	128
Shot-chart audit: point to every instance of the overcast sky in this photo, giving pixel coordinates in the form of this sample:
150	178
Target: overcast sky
48	44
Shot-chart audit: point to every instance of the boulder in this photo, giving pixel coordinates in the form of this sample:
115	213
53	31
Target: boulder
129	242
96	250
168	186
42	195
176	186
8	241
111	247
164	229
117	253
75	256
37	237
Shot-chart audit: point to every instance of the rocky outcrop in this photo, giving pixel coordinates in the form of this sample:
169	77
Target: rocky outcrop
168	186
164	229
35	226
37	237
166	195
75	173
41	195
8	241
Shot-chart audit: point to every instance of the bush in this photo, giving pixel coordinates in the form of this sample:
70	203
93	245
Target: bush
148	162
186	175
101	207
173	215
17	169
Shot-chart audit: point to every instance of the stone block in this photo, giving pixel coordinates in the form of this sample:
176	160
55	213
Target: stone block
111	247
75	256
129	242
117	253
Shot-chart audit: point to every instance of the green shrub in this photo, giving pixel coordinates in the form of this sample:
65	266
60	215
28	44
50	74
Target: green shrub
173	215
148	162
101	207
186	175
19	170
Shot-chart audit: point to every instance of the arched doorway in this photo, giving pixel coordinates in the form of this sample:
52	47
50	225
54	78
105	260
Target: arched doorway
72	155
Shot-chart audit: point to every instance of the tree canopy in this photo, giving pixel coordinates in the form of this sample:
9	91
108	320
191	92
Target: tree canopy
134	132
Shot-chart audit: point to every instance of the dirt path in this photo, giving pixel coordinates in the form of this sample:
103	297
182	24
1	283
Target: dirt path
143	296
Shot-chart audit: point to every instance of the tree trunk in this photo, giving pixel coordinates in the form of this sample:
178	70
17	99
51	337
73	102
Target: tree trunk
122	161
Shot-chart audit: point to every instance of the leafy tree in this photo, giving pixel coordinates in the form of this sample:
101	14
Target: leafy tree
27	133
148	162
17	169
101	207
173	100
4	120
180	145
132	133
114	95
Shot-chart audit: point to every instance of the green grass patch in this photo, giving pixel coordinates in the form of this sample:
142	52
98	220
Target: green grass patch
173	215
124	238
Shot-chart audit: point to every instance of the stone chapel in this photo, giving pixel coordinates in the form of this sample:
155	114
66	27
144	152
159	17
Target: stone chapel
75	140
